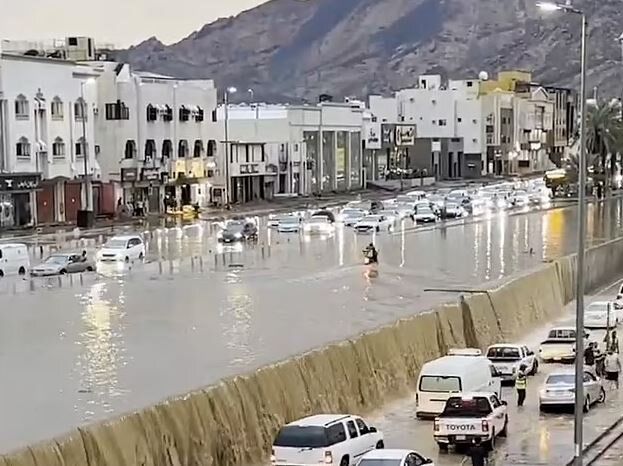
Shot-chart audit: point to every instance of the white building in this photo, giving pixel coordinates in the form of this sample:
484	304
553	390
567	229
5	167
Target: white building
158	136
47	111
277	149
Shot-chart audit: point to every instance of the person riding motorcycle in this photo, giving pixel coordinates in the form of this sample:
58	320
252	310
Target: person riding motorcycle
371	254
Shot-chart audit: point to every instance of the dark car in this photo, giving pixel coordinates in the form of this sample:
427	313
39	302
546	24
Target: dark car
238	230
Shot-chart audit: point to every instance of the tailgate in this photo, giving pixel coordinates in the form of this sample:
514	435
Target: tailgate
459	426
297	456
556	350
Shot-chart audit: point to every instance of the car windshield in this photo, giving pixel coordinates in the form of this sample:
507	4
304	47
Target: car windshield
434	383
319	220
235	226
555	379
352	213
380	462
302	437
372	218
561	334
289	220
57	260
116	244
597	307
503	352
467	407
451	205
423	209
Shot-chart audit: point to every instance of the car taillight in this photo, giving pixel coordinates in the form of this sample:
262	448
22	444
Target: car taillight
328	457
436	425
485	426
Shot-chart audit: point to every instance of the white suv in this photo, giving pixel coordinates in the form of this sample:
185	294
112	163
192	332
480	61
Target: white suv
330	439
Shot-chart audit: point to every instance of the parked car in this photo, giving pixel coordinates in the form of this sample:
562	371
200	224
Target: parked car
59	264
468	416
559	390
452	210
318	225
424	214
274	219
14	259
389	457
371	223
559	345
290	224
507	358
122	249
329	439
237	230
350	216
600	313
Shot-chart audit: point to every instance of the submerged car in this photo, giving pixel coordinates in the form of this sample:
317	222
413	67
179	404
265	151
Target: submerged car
290	224
59	264
350	216
372	223
318	225
122	249
424	214
390	457
237	230
559	390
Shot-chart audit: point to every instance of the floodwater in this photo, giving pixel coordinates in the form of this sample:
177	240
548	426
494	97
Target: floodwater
72	352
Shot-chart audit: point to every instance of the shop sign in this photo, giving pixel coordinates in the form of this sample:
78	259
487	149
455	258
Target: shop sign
19	182
373	135
129	174
405	135
387	135
151	174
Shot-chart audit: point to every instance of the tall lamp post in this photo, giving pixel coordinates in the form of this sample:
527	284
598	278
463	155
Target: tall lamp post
228	91
87	216
579	303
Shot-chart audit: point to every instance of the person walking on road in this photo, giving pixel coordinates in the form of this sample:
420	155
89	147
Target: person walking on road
521	384
614	342
589	357
477	453
612	365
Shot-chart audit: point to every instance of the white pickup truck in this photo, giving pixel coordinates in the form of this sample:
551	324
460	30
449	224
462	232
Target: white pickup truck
560	345
471	415
508	358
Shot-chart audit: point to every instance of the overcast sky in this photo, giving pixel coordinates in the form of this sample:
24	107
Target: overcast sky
122	22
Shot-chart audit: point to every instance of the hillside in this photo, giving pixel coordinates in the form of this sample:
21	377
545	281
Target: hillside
298	49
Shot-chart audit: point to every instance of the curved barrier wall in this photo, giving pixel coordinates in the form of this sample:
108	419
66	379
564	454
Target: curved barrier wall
235	421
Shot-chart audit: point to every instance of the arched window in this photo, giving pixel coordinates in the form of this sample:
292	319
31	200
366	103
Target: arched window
130	149
81	147
152	113
22	148
182	149
80	109
167	148
211	148
198	149
57	108
150	149
58	148
22	108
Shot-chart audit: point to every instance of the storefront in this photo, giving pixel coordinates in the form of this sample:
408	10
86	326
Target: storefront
18	204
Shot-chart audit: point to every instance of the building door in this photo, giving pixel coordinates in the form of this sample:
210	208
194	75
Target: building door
72	201
45	204
23	210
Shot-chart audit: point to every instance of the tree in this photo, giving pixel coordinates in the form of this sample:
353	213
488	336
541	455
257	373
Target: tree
604	136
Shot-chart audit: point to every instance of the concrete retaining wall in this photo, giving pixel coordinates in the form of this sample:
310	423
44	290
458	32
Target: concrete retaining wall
235	421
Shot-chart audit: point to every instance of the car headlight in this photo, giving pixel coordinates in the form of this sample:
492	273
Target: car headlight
238	235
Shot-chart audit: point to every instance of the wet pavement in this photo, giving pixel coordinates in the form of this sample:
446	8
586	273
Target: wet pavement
74	350
533	438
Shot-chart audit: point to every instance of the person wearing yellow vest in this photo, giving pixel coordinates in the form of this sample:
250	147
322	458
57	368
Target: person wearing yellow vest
521	384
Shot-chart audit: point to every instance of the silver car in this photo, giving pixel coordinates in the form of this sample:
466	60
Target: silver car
62	263
558	390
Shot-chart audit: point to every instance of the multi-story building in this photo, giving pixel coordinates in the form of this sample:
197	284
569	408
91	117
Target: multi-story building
47	113
292	150
157	136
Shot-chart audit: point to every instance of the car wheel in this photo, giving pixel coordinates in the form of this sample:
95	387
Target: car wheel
587	404
378	229
490	444
22	271
602	396
1	273
62	272
90	269
504	431
443	446
380	445
345	461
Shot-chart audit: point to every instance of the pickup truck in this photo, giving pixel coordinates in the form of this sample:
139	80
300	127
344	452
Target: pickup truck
560	345
507	358
471	415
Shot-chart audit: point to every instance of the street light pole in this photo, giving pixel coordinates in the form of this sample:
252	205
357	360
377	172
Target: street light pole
87	185
229	90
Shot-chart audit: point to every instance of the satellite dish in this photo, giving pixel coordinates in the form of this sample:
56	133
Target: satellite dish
483	75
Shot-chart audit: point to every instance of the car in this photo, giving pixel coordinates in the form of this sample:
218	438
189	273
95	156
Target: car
417	195
350	216
507	359
391	215
602	312
560	345
436	202
122	249
468	416
274	219
329	439
237	230
394	457
558	390
290	224
14	259
520	199
405	211
62	263
318	225
424	214
370	223
452	210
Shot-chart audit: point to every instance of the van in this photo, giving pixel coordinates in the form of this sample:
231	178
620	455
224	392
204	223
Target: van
458	373
14	259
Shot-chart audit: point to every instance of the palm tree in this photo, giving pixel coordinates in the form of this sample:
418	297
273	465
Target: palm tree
604	137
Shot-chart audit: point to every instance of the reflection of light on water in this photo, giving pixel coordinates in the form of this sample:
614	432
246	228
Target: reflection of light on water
477	227
488	253
340	246
402	246
502	232
544	439
236	318
232	247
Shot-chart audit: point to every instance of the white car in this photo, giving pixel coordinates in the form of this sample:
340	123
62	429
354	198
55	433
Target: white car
405	211
424	214
560	345
318	225
394	458
559	390
391	215
329	439
508	358
371	223
602	311
350	216
14	259
290	224
122	249
468	416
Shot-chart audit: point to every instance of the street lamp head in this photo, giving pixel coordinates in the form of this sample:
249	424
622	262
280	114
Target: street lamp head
548	6
232	90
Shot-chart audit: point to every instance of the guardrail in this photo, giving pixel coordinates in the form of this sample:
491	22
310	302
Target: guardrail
598	447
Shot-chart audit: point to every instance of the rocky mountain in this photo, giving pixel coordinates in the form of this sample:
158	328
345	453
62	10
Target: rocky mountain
298	49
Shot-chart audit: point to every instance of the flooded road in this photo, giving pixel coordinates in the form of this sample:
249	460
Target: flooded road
72	353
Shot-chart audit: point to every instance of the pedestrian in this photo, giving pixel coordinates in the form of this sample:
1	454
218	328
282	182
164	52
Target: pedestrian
612	365
521	384
614	342
478	453
589	357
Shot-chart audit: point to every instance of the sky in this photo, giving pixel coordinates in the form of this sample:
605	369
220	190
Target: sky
119	22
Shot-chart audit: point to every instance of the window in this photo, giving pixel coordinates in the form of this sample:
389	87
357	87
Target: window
363	428
199	114
470	83
152	113
80	109
184	113
117	111
167	148
56	109
495	402
414	460
130	149
81	147
198	149
182	149
459	120
73	41
211	148
336	434
22	111
150	149
588	377
167	115
442	123
433	383
214	116
352	429
22	148
58	148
